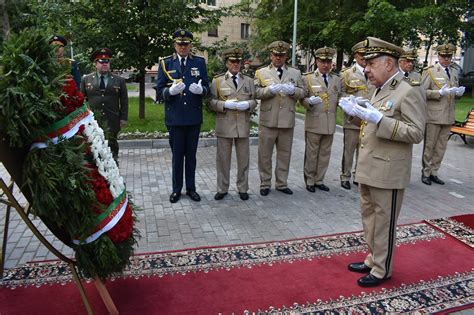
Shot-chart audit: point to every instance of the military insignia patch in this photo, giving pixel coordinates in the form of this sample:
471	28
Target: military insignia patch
195	72
386	106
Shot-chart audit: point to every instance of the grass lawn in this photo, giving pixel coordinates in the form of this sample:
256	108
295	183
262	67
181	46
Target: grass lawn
155	117
132	87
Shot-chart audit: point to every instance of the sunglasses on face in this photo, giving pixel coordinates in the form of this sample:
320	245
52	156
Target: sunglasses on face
182	44
102	61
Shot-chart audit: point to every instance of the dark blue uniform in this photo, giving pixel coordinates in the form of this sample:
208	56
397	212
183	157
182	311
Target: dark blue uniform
183	114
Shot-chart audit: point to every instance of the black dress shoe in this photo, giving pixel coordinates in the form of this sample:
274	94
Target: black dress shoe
359	267
310	188
264	191
193	195
286	190
322	187
174	197
436	179
219	196
370	281
244	196
426	180
345	184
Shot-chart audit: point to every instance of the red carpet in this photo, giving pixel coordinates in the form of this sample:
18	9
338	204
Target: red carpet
433	272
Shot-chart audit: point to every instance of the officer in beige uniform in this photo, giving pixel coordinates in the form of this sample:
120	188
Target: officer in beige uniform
441	85
393	122
354	82
233	99
322	90
407	65
278	87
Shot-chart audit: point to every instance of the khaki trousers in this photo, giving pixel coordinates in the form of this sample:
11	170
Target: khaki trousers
351	145
282	138
380	209
316	157
224	158
436	141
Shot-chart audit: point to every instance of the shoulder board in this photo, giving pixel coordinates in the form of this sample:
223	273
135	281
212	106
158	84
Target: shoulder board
219	75
426	68
246	75
196	56
306	73
261	67
166	57
334	73
411	81
291	67
344	70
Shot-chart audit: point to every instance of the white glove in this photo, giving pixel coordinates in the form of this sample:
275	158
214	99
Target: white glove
460	90
177	88
362	101
315	100
275	88
347	104
288	89
230	104
196	88
445	90
243	105
369	114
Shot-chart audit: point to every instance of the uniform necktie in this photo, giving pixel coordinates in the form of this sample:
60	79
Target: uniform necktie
365	75
280	72
182	64
447	72
234	79
102	83
377	91
406	74
325	79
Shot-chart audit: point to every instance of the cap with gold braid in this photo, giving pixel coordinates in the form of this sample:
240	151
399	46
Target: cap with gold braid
325	53
446	49
232	54
278	47
359	47
58	40
409	54
375	47
102	53
182	36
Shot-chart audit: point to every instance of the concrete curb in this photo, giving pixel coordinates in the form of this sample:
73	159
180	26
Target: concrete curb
163	143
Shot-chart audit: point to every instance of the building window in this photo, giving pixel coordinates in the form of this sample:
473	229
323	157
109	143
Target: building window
244	30
211	3
213	32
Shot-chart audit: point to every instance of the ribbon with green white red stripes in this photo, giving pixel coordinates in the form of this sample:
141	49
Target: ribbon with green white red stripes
107	219
65	128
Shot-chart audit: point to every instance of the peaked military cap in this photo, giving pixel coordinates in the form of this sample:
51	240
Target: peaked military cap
232	54
446	49
182	36
102	53
279	47
359	48
375	47
325	53
409	54
58	40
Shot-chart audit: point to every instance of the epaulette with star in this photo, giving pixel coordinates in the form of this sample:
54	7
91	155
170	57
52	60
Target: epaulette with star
219	75
411	81
429	67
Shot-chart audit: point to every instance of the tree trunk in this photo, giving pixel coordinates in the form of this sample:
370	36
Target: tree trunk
339	59
5	20
430	42
141	94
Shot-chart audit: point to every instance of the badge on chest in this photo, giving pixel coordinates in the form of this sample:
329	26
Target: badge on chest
386	106
195	72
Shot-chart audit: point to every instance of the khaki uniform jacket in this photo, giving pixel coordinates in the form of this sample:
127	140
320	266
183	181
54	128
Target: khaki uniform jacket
385	153
415	77
278	111
440	109
113	103
321	118
232	123
353	82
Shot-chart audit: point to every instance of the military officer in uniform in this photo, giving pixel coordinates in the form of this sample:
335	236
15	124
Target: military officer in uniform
278	87
233	99
323	89
354	82
247	70
107	94
407	65
393	121
61	44
182	84
441	83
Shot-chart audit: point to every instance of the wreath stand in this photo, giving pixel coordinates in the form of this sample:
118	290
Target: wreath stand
13	160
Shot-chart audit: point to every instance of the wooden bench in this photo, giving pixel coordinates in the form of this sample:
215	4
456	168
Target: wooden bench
464	128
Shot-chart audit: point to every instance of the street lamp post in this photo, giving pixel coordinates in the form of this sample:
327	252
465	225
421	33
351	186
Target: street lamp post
295	20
